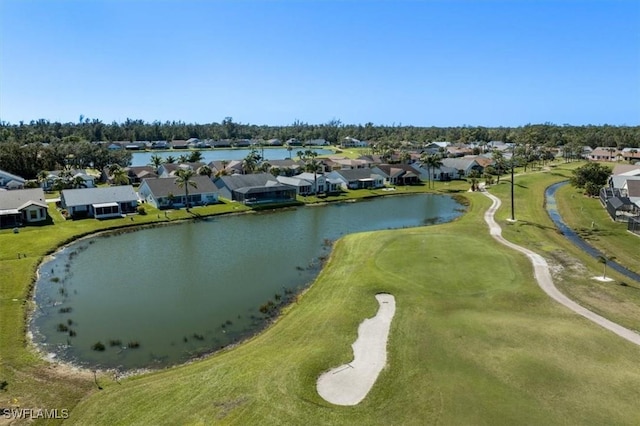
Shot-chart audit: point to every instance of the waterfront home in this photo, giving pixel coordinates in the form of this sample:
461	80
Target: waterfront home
463	166
22	206
164	193
398	174
357	178
170	169
100	203
254	189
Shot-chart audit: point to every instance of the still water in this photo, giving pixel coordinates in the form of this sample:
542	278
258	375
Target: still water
161	296
208	155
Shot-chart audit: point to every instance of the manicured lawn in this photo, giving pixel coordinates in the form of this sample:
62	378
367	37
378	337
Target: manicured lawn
587	216
474	341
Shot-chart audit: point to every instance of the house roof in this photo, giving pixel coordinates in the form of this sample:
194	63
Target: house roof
633	188
263	189
234	182
627	169
9	177
105	194
356	174
161	187
462	163
616	202
293	181
20	198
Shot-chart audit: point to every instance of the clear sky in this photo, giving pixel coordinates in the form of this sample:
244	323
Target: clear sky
422	63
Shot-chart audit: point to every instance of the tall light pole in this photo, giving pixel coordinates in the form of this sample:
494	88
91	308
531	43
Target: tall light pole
513	211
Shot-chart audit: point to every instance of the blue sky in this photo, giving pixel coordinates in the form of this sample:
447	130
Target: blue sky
423	63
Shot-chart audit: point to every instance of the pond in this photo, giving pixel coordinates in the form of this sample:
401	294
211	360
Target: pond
208	155
161	296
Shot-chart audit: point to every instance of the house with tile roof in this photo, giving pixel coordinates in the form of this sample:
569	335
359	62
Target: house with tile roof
252	189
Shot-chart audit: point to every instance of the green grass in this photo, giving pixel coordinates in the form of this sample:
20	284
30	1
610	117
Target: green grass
470	344
587	216
474	340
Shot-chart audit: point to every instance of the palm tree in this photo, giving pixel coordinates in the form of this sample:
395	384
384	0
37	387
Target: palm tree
433	162
604	260
250	162
156	161
120	176
184	180
195	156
78	182
204	171
311	165
474	175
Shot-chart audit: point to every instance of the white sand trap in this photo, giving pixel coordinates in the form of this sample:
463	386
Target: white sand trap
603	279
350	383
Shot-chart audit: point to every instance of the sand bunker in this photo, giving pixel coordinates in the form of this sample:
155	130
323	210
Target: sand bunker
350	383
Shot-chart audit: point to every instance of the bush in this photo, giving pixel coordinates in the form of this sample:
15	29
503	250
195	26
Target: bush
141	210
98	346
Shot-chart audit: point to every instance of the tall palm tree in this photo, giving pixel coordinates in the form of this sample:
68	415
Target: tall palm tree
250	162
433	162
311	165
184	180
120	176
195	156
156	161
170	159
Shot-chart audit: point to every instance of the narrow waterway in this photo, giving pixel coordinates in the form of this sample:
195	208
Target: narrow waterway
552	210
161	296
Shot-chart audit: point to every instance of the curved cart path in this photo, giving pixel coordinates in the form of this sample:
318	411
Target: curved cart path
543	276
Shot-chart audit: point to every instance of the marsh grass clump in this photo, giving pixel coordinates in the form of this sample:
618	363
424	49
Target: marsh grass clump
98	346
64	310
62	328
267	307
134	344
72	333
198	336
55	279
115	342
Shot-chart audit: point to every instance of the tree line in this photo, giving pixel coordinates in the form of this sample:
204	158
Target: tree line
334	131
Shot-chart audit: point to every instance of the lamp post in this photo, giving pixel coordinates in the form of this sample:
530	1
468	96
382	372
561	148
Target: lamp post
513	212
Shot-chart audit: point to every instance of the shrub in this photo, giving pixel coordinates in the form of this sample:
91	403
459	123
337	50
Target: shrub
62	328
98	346
141	210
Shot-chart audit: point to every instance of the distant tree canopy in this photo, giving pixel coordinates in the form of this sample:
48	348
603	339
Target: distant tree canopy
591	177
332	131
27	148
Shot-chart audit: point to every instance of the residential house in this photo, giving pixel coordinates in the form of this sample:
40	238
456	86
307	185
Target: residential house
254	189
604	154
287	167
273	142
179	144
54	176
317	142
22	206
165	193
398	174
170	169
630	154
11	181
463	167
632	189
342	163
222	167
308	183
357	178
293	142
101	202
350	142
160	145
223	143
